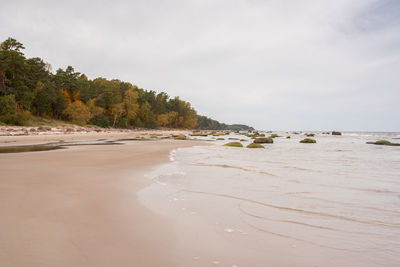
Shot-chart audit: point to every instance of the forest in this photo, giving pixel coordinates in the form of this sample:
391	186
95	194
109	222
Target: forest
29	88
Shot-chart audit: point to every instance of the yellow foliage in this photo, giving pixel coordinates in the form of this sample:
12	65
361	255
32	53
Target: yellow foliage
76	95
162	120
130	104
78	112
66	96
93	109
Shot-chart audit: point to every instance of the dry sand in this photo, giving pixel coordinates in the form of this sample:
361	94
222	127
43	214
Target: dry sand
77	206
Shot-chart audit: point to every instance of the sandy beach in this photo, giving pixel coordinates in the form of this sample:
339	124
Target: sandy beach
77	206
165	202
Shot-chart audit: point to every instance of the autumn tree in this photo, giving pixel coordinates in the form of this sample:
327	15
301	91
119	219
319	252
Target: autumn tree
130	105
117	110
78	112
30	85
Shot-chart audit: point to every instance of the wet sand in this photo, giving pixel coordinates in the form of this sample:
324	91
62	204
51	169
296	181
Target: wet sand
78	206
31	139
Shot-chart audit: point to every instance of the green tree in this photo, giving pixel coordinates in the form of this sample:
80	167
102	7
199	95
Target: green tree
8	106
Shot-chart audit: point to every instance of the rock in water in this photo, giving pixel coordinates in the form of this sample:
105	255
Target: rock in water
308	141
234	144
263	140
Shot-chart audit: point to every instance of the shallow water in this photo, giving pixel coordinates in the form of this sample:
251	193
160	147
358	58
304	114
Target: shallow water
53	146
339	198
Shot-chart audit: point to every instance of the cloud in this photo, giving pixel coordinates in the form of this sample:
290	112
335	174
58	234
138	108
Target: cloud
273	64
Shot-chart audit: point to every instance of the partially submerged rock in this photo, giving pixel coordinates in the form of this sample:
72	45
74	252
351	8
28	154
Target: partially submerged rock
310	134
383	143
336	133
180	137
263	140
308	141
252	145
274	135
234	144
288	137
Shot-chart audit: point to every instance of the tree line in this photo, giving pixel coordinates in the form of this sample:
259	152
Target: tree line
28	87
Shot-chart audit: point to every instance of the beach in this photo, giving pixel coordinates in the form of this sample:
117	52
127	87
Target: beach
78	206
114	199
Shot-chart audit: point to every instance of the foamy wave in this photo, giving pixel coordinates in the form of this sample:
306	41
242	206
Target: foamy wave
235	167
172	155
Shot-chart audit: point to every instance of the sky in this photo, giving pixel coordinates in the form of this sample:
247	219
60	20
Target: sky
271	64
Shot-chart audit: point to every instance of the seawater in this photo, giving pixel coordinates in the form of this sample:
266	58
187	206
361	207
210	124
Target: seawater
339	197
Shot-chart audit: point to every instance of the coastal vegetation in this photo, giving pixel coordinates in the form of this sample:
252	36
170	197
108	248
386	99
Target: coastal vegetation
30	91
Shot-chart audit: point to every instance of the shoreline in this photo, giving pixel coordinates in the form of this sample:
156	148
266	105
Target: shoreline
79	206
14	137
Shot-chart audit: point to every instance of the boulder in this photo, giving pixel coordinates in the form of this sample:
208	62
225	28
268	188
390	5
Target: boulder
252	145
234	144
263	140
336	133
308	141
180	137
383	143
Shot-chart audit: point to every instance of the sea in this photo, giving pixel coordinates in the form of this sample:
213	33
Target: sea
332	203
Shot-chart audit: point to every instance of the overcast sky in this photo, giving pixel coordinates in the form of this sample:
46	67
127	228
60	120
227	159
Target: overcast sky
272	64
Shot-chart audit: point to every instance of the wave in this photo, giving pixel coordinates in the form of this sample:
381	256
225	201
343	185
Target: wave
305	224
308	241
300	169
234	167
308	212
344	203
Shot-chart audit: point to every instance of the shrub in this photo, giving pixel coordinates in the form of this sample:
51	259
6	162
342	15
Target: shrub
101	121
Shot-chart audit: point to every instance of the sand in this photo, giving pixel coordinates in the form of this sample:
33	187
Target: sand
78	206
